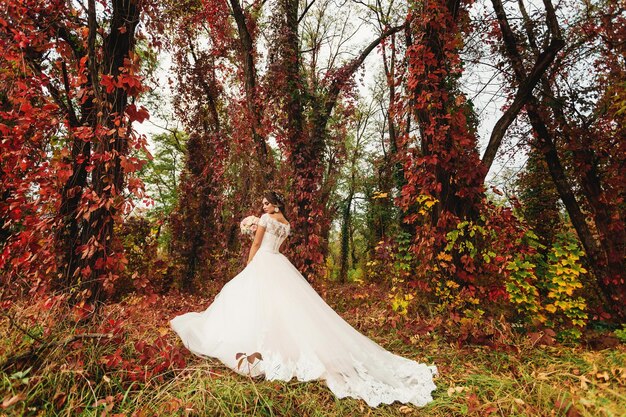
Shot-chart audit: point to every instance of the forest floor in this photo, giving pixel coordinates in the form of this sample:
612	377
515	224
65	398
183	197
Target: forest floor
129	364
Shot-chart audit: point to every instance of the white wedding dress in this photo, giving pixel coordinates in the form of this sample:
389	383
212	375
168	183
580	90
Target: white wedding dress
271	309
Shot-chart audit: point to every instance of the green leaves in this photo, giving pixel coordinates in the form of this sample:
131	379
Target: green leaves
558	307
22	376
521	286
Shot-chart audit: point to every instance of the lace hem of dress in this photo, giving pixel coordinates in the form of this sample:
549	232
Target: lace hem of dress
413	384
412	381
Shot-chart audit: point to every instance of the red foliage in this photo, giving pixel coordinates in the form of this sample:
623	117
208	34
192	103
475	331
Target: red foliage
230	162
29	118
446	166
64	154
202	236
599	150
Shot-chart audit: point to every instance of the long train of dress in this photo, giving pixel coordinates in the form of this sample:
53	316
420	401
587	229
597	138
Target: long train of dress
271	309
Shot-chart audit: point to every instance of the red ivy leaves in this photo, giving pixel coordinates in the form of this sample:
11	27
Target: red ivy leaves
135	114
42	127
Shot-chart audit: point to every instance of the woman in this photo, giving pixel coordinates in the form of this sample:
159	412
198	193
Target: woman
269	321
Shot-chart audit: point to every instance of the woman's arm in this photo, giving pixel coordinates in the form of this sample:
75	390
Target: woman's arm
258	238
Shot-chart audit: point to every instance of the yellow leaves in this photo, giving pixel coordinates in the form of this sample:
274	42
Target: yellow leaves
451	284
620	375
399	305
570	290
443	256
422	198
400	302
604	376
380	244
562	280
521	285
426	203
584	382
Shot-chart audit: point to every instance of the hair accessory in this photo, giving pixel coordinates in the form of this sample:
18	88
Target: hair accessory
279	197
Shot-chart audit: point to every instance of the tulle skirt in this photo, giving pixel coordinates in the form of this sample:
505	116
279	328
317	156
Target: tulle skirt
270	309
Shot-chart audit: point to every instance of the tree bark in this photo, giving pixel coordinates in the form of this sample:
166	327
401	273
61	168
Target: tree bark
108	176
250	83
68	235
604	270
458	190
346	212
527	83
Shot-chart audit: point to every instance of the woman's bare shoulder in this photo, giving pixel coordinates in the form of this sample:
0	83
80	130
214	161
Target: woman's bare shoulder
278	217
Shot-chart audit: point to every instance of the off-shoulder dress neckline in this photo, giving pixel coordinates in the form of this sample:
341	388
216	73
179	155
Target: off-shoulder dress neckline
278	221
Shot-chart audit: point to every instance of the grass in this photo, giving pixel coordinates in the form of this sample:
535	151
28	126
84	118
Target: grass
74	380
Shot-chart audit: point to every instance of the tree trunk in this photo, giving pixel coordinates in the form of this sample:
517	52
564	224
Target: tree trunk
449	156
609	274
108	176
345	237
597	261
394	159
266	161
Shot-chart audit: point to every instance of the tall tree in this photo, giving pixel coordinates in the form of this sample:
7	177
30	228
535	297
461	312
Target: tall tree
305	135
80	85
562	125
114	80
199	103
446	163
540	203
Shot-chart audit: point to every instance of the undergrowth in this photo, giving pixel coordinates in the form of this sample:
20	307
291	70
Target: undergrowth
131	364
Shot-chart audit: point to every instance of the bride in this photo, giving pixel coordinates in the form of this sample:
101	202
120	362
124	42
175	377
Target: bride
268	321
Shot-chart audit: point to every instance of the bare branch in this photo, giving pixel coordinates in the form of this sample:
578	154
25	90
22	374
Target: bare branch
348	70
529	81
306	9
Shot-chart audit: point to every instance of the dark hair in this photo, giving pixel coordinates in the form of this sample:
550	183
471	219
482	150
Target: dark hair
276	199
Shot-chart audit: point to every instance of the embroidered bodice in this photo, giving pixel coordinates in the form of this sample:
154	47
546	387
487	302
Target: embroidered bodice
275	232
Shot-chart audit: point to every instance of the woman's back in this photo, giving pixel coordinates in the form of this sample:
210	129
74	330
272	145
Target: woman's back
275	232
